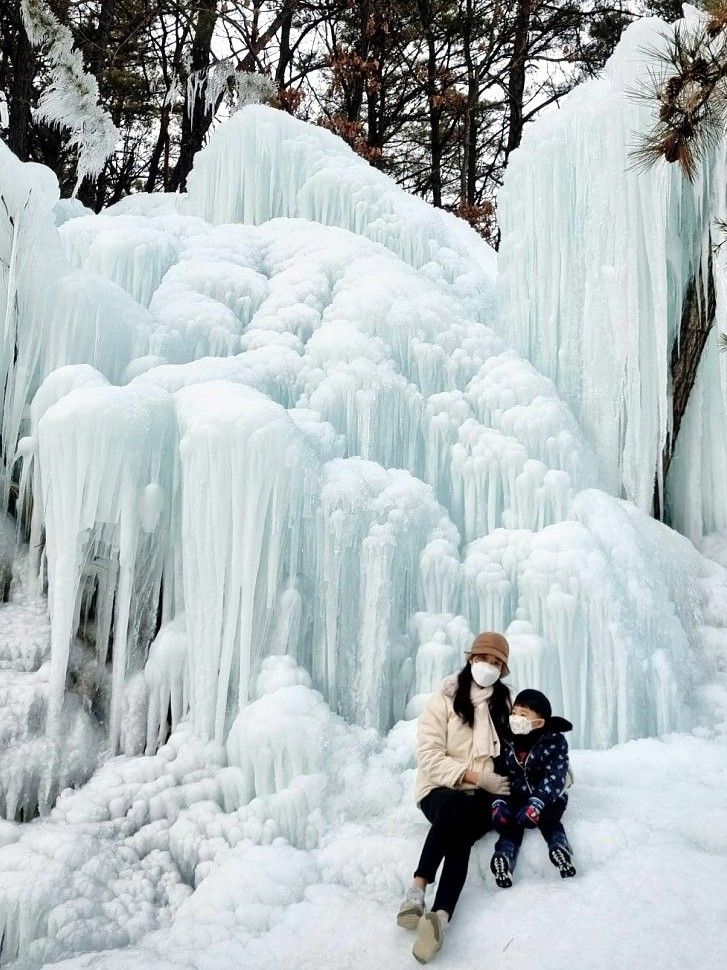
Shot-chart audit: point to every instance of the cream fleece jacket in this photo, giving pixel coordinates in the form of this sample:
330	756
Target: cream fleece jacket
444	748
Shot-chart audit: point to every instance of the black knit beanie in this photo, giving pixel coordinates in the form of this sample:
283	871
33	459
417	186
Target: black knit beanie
535	701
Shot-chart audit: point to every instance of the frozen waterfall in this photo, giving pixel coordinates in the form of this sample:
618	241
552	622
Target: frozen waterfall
272	462
596	259
284	429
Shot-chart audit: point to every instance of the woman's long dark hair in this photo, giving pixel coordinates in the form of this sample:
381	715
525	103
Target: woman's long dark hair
500	702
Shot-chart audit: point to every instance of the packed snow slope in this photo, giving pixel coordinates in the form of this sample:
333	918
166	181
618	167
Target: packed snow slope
277	467
597	255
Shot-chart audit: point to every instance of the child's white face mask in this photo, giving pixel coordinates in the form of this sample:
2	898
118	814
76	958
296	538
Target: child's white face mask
484	674
520	724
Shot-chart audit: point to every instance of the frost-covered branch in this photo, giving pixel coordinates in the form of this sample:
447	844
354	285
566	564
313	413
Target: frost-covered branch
71	99
225	77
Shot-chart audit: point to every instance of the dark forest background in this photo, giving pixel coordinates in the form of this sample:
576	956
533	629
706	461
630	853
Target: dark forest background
434	92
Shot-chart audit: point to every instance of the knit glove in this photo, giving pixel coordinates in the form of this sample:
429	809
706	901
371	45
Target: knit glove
493	783
502	815
529	815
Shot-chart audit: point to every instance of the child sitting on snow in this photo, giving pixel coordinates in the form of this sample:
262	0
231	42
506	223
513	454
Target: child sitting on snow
535	761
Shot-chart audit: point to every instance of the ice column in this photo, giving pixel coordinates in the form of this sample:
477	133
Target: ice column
373	525
106	463
595	261
72	317
248	482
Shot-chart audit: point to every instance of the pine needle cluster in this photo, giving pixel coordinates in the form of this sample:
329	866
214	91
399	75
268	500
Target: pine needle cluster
691	91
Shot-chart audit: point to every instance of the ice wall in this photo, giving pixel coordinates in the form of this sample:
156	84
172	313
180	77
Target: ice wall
595	260
274	479
265	163
303	441
73	317
695	489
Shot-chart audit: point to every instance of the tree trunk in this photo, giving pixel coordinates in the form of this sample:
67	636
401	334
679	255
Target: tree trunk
21	91
98	49
355	94
468	176
159	150
285	56
697	321
197	117
435	118
516	75
195	128
376	99
433	101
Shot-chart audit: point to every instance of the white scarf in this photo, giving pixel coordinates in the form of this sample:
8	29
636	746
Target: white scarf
485	742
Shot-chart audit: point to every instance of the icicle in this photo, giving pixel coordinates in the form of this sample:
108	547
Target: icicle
595	261
99	448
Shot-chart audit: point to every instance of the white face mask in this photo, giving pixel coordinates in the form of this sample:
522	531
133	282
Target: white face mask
520	724
484	674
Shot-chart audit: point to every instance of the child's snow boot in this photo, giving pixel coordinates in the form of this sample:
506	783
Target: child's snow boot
561	859
430	932
412	909
501	869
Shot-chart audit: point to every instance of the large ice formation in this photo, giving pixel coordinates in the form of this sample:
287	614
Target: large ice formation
316	442
276	465
597	256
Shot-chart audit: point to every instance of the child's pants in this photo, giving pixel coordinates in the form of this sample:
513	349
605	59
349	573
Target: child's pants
550	825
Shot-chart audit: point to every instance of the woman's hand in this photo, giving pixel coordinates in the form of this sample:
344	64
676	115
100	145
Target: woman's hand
493	783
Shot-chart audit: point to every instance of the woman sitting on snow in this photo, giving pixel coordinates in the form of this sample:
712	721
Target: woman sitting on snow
459	736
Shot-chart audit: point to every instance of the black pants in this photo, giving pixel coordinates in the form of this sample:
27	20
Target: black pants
550	825
458	820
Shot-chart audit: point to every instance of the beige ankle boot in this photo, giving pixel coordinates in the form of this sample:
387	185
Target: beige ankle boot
429	935
410	912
